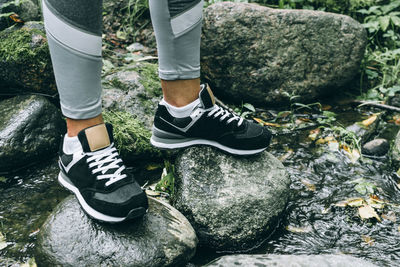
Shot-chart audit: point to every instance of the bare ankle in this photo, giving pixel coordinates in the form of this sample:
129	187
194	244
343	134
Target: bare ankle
179	93
75	126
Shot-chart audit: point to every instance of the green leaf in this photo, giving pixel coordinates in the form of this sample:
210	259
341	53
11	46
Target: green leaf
395	20
360	189
249	107
384	22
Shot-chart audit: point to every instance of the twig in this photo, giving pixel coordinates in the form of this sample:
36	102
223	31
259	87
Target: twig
374	104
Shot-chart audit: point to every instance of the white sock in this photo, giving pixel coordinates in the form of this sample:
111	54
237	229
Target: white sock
181	112
71	144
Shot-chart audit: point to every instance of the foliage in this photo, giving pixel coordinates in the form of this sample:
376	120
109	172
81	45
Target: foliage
130	136
16	45
166	184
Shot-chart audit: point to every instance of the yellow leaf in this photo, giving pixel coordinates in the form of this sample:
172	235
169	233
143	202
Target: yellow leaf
310	186
356	202
266	123
152	193
368	240
352	202
286	155
152	167
367	212
369	121
326	107
320	141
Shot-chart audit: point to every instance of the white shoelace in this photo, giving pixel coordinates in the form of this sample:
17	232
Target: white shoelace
104	160
217	111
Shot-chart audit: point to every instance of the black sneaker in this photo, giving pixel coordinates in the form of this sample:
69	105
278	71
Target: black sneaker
209	124
98	178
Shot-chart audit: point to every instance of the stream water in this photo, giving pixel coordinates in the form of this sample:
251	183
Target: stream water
312	223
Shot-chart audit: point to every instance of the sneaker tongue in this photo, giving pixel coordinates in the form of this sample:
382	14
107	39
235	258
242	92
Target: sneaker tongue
206	96
96	137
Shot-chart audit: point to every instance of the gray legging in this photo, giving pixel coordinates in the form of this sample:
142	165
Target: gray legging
74	34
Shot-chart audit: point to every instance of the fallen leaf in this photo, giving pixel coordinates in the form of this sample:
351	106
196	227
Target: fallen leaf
367	212
320	141
3	242
152	167
310	186
286	155
298	230
352	202
368	240
356	202
326	107
369	121
16	18
266	123
152	193
391	216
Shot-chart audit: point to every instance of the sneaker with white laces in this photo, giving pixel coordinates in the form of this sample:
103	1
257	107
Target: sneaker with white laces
208	124
97	176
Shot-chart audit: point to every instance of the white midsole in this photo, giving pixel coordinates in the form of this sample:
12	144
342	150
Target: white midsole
95	214
204	142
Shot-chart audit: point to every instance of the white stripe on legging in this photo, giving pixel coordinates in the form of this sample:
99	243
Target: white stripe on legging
185	21
70	36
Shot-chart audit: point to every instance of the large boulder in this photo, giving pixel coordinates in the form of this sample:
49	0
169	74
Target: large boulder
30	130
290	260
23	10
25	64
232	202
265	56
163	237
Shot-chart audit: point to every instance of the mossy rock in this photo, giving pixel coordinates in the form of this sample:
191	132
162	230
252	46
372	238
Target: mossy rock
131	137
134	89
25	64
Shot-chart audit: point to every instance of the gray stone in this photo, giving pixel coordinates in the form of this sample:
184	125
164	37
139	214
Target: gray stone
25	64
135	47
232	202
134	89
290	260
30	130
364	132
26	10
163	237
376	147
264	56
396	149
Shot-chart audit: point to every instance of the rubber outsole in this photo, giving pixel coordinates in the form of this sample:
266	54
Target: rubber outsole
177	144
134	213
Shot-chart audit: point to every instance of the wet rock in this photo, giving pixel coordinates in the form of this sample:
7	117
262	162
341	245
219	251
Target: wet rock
25	64
396	149
264	56
232	202
26	10
376	147
30	130
163	237
290	260
362	131
134	89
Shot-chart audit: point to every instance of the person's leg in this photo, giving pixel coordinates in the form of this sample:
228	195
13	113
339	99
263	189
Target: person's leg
74	36
187	115
90	165
177	24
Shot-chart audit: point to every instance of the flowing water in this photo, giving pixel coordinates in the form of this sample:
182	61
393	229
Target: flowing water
312	223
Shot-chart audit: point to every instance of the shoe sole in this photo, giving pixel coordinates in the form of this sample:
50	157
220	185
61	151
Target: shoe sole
176	143
134	213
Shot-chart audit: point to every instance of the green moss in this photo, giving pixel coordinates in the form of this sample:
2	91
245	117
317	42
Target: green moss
131	137
149	78
17	46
